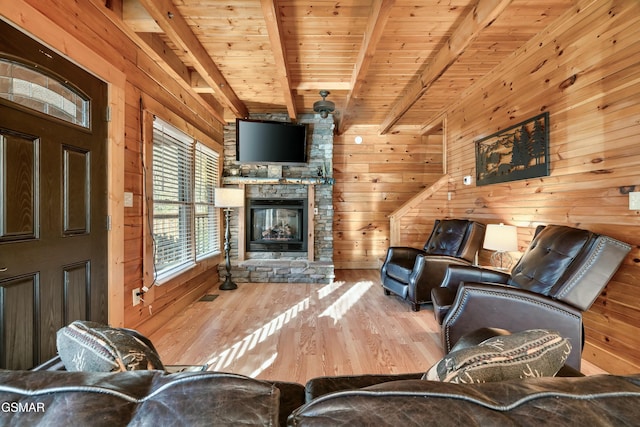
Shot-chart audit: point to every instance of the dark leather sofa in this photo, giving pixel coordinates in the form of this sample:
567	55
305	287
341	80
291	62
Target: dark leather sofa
137	398
51	396
603	400
568	399
142	398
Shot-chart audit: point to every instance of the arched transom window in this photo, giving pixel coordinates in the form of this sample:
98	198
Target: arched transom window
31	88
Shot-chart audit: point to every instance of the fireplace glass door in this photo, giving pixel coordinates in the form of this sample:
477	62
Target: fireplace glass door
276	225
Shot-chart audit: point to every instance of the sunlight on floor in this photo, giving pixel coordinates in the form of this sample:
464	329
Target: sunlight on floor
331	287
264	365
239	349
223	360
346	301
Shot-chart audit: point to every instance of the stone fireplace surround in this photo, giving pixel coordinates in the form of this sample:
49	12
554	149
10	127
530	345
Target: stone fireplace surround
309	181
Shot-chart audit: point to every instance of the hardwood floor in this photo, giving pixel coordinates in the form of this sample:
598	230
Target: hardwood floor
294	332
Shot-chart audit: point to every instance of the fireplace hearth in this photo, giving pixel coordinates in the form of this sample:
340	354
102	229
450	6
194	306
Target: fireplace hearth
276	225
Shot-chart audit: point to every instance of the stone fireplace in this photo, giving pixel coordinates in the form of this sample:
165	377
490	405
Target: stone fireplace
285	231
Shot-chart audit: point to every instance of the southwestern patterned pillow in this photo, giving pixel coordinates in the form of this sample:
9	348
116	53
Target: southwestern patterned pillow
532	353
91	346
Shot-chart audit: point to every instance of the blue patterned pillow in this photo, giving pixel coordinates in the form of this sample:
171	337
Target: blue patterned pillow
91	346
527	354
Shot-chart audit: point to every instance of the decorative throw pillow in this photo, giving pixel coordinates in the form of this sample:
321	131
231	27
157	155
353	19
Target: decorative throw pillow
91	346
532	353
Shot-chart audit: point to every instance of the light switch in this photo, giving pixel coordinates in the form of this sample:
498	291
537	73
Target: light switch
128	199
634	200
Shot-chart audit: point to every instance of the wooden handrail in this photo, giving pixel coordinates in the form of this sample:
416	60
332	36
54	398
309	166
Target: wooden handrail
396	216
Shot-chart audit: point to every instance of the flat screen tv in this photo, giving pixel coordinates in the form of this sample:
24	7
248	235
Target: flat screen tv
262	141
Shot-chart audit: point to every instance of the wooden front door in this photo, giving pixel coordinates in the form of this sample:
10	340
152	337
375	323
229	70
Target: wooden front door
53	203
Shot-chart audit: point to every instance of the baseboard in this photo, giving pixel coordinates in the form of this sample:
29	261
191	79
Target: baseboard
168	312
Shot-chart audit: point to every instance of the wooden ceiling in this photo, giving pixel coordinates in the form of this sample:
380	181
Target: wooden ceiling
386	62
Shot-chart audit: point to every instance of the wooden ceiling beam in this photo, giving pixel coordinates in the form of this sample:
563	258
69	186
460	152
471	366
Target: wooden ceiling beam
328	85
156	51
176	28
274	29
169	61
164	56
137	18
479	18
380	11
199	85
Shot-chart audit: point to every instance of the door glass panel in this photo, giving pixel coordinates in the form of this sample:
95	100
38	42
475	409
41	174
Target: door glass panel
19	184
41	92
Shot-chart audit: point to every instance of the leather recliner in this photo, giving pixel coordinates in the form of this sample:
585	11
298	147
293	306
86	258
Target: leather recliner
559	277
411	273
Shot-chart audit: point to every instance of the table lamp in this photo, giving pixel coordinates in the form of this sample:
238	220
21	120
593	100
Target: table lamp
502	239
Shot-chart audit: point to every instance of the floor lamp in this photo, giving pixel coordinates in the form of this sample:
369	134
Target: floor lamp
502	239
227	199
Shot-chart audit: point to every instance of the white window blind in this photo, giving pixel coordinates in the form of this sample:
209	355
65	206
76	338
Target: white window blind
172	198
185	220
206	215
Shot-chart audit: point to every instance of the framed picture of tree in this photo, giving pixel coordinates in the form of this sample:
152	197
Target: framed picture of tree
518	152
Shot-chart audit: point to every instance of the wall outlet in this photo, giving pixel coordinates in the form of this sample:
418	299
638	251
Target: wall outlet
128	199
634	200
136	296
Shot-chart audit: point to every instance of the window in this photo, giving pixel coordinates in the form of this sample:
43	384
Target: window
185	222
206	177
33	89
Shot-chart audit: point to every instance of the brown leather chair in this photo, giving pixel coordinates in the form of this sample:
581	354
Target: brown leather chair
558	278
411	273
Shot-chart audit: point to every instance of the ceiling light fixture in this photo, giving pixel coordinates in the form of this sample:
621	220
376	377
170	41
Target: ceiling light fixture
324	107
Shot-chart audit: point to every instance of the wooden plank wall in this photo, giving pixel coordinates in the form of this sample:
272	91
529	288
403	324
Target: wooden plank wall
373	179
585	70
145	79
416	225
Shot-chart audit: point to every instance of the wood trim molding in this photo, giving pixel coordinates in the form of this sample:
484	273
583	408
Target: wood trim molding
440	121
311	232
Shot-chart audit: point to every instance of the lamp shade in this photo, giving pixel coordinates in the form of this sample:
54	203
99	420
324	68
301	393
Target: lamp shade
229	197
500	237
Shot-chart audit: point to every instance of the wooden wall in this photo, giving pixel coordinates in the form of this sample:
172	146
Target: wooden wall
373	179
585	71
100	31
